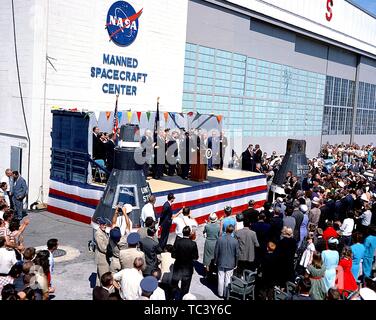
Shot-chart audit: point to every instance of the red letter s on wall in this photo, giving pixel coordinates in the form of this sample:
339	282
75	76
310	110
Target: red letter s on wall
329	14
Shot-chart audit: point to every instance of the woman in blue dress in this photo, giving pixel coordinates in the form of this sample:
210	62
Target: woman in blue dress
227	220
369	253
304	226
330	259
358	254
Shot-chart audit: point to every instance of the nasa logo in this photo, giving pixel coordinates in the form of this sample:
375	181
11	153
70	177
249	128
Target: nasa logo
122	23
329	13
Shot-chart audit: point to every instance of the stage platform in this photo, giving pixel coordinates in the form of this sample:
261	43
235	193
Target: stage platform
224	187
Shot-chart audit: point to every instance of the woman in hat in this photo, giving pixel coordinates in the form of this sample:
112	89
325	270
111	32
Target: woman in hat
211	233
330	258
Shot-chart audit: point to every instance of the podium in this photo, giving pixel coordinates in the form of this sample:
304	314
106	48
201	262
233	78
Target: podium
199	167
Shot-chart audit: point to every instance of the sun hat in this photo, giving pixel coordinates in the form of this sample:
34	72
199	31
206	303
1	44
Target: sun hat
213	217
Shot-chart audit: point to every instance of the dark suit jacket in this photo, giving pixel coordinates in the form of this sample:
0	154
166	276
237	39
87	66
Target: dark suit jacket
166	215
185	252
110	146
95	147
100	293
151	248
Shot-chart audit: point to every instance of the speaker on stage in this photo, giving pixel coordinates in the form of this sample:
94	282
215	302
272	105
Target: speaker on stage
127	182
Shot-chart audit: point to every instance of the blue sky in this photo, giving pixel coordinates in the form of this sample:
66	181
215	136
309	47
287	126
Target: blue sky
369	5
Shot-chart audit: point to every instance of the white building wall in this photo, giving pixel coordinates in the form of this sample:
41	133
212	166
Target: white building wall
73	33
349	24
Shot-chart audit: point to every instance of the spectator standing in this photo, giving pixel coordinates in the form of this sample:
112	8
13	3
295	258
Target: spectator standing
247	239
226	258
127	255
20	191
165	221
148	210
345	279
130	280
184	252
8	179
358	250
151	249
316	272
7	258
330	259
211	233
101	239
183	221
370	246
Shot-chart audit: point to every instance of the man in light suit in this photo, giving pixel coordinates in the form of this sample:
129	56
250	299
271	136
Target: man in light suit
19	194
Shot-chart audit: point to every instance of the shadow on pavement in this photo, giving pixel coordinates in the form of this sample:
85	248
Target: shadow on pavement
93	279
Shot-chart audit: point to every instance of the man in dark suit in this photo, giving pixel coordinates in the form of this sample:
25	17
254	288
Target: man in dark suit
20	190
258	154
96	142
185	253
103	292
159	155
165	221
172	153
222	149
150	248
110	146
248	161
185	155
147	150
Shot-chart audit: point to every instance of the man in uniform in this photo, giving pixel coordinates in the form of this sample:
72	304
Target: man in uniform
101	239
128	255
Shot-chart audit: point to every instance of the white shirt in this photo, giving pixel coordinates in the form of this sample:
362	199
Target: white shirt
366	218
122	224
7	260
158	294
6	197
130	280
52	262
1	214
7	180
147	211
347	227
181	223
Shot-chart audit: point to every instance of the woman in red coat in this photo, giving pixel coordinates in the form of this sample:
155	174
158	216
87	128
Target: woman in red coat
345	279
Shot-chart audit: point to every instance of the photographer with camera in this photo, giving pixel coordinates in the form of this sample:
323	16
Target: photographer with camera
121	218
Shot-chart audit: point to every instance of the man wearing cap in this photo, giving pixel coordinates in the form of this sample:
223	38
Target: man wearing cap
116	243
130	280
148	286
165	221
101	239
128	255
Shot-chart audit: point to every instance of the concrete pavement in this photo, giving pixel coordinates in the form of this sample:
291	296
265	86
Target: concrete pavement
75	275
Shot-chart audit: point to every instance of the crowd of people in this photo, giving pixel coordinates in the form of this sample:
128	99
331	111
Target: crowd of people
318	235
167	152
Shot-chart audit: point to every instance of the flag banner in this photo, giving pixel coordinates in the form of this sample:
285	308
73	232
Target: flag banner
148	115
120	116
139	116
116	119
219	118
108	115
129	115
165	116
198	115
